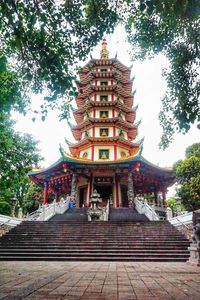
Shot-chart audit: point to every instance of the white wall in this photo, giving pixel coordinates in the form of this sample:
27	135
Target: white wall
88	150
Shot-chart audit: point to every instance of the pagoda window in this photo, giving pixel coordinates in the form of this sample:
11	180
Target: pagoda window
103	114
85	155
104	70
104	154
104	83
123	154
103	98
104	131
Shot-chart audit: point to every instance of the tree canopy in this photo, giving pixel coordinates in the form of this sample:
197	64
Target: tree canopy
188	176
18	154
43	41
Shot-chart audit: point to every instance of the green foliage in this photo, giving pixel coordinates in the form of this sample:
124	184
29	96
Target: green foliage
188	176
33	198
44	40
18	153
171	27
193	150
5	207
171	202
42	43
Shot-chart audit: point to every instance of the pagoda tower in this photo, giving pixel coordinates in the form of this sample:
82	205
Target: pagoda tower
105	156
105	116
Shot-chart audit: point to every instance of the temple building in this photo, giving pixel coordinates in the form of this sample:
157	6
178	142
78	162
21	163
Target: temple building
106	155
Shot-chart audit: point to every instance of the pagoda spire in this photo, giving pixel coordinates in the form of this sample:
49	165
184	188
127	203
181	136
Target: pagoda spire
104	53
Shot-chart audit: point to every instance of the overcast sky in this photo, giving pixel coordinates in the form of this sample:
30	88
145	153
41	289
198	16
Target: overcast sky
150	87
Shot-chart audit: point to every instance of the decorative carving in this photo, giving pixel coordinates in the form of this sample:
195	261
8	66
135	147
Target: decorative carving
196	228
96	213
74	185
130	192
104	52
195	246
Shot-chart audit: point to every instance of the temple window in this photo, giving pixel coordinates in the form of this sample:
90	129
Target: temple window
104	83
104	70
123	154
104	154
103	98
85	155
104	131
103	114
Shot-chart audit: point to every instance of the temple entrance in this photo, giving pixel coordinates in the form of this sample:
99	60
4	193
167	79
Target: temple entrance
82	196
105	192
124	195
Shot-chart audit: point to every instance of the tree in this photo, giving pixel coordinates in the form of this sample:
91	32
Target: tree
173	28
18	154
188	176
193	150
33	198
171	202
44	40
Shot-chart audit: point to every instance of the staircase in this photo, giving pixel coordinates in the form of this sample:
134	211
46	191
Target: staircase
72	214
126	214
71	239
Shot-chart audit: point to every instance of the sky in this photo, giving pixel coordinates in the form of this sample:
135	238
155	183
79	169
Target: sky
150	86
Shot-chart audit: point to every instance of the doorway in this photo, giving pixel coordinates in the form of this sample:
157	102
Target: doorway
105	192
82	196
124	195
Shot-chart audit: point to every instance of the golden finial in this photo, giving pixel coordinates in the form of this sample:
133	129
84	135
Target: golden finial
104	52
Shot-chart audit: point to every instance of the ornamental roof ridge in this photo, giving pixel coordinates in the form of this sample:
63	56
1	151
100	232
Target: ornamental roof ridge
108	60
71	159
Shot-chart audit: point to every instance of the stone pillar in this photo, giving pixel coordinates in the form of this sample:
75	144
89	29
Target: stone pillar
88	192
45	195
73	186
195	246
164	204
164	197
130	190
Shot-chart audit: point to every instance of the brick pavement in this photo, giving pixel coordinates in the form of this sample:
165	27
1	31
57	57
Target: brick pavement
99	280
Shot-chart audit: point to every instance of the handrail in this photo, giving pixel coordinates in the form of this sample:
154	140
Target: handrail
45	212
143	208
182	219
182	223
9	221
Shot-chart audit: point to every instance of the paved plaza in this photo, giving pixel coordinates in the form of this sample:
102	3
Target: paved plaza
99	280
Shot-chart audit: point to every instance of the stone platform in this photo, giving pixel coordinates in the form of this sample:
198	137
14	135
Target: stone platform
99	280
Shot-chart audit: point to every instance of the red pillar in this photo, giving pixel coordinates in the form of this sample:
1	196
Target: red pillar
115	152
45	197
114	131
92	152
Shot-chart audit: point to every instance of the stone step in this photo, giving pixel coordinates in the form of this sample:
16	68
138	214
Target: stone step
85	247
97	258
113	251
90	241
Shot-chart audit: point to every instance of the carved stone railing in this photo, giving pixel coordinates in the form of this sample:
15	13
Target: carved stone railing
9	221
45	212
183	219
183	223
143	207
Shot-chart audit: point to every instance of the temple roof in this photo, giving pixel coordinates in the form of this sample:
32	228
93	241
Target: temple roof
71	163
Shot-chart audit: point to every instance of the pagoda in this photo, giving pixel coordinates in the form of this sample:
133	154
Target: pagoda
105	156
